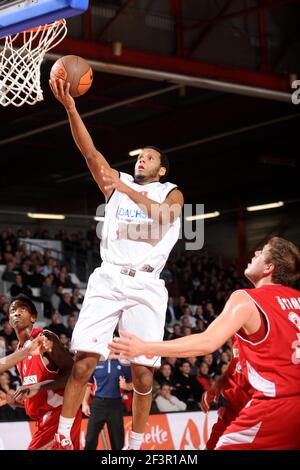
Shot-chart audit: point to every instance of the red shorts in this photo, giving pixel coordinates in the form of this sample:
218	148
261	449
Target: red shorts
225	416
47	427
264	424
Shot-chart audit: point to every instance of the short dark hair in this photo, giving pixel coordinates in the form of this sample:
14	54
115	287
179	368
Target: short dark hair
286	259
27	301
164	161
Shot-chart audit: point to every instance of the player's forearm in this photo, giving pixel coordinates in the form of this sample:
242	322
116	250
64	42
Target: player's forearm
160	213
9	361
81	135
194	345
59	382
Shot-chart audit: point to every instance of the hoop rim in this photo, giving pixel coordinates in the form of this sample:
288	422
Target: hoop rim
43	27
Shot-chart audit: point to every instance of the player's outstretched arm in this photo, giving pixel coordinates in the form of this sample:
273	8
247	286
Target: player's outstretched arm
239	312
81	136
36	347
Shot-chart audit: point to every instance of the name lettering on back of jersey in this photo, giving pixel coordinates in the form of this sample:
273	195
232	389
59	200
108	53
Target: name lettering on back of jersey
30	380
292	303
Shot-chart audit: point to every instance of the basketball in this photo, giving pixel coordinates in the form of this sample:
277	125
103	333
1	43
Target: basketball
73	69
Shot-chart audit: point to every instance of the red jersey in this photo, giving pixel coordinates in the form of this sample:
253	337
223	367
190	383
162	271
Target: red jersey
33	370
236	389
272	364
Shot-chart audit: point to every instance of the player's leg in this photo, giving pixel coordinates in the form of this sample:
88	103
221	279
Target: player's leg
146	318
97	321
264	424
142	378
84	366
225	416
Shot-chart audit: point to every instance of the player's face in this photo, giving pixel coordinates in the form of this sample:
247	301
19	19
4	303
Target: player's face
148	167
20	316
256	268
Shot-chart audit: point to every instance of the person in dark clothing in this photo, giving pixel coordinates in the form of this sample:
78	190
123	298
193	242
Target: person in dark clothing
57	326
9	274
188	389
37	279
106	403
20	288
66	306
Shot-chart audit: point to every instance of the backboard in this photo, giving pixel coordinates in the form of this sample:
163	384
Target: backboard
19	15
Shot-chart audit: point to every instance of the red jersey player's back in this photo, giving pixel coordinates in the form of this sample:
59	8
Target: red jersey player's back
272	364
32	371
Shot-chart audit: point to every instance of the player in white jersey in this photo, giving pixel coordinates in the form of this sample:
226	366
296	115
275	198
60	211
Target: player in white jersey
141	226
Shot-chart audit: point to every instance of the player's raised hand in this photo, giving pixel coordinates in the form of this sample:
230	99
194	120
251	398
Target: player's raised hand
62	94
112	181
24	392
40	345
127	346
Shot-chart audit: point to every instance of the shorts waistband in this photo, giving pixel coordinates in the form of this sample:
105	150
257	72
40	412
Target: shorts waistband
129	271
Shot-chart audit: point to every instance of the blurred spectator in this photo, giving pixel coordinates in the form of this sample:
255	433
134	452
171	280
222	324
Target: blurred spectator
176	331
71	321
187	313
170	314
25	273
37	279
203	375
166	375
194	365
47	291
56	325
48	268
20	288
8	332
179	307
188	389
77	298
66	306
9	274
166	402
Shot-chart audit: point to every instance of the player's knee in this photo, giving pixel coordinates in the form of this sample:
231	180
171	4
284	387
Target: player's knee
143	381
83	369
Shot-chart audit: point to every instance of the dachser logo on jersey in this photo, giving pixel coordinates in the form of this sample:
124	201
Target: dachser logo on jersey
30	380
131	213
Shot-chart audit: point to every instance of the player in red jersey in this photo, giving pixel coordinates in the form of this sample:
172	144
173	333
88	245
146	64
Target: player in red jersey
236	391
43	376
266	322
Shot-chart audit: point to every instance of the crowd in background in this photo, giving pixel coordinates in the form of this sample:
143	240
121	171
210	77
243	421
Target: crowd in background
198	288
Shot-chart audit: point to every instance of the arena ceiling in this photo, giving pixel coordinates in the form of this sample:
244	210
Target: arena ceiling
209	82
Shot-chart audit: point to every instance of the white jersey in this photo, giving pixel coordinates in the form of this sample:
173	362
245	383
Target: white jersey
131	238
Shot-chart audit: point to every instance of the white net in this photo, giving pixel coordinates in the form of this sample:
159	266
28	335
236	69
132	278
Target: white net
20	62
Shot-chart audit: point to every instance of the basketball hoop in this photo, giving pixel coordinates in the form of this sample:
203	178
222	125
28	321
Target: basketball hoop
21	59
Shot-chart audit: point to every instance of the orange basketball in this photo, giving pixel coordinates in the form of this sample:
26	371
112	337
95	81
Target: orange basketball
73	69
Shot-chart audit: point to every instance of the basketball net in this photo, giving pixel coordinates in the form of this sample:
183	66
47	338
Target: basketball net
20	62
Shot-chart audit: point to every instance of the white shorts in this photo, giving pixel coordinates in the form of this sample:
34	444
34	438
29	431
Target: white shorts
138	303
